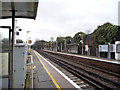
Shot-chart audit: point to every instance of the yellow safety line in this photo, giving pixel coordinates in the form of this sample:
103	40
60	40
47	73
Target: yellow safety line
57	86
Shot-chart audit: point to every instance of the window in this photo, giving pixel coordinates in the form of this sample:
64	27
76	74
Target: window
4	57
118	48
4	51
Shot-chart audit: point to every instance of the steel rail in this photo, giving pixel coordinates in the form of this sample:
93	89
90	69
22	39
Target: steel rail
74	69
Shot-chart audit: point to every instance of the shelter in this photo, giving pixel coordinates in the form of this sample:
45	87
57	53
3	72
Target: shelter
73	48
16	9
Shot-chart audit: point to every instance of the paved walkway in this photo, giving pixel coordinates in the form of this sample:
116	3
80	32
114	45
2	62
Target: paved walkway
45	76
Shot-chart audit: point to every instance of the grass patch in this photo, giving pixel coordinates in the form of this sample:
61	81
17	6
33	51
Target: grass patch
27	81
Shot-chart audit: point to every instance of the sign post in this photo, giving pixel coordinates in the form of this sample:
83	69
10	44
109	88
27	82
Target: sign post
29	41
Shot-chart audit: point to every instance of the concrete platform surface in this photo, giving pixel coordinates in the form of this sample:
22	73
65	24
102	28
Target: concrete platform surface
46	76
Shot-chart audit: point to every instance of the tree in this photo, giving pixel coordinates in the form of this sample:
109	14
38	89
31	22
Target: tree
60	39
105	33
68	39
19	41
79	36
5	43
40	44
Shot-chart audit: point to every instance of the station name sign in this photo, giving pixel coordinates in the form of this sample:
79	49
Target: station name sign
105	48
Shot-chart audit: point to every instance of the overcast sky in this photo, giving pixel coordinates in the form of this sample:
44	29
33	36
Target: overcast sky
67	17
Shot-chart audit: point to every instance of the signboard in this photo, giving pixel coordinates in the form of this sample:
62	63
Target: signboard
86	47
29	41
112	47
103	48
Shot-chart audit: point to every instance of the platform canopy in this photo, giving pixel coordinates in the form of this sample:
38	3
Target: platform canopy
22	8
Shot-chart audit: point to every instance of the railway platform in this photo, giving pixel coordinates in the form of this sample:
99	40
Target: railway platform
45	75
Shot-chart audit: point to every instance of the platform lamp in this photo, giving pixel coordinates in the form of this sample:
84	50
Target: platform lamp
26	35
81	41
17	31
65	48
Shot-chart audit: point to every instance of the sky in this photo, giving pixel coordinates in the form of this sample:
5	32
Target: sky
66	17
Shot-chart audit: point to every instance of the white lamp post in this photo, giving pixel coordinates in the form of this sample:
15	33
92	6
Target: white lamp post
26	35
81	41
65	45
16	31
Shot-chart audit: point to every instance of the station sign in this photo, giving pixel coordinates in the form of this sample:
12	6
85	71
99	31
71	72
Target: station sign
103	48
112	47
29	41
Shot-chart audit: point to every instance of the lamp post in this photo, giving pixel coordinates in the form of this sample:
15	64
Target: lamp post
56	45
109	53
26	35
16	31
81	41
28	46
65	45
52	42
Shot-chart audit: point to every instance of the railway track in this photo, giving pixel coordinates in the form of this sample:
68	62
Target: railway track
89	75
82	84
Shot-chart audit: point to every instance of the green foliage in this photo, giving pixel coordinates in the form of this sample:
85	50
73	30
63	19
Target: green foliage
5	44
105	33
68	38
60	39
39	44
79	36
27	82
19	41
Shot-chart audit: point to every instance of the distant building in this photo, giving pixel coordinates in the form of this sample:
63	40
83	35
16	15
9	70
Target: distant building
91	46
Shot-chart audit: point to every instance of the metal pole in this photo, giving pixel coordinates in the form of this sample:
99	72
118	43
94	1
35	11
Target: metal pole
82	48
9	55
52	45
56	46
61	47
109	53
65	45
15	31
82	44
26	37
12	61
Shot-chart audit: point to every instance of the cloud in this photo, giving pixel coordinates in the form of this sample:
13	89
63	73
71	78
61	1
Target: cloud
67	17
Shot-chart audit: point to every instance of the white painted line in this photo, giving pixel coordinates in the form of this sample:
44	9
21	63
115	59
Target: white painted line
68	79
